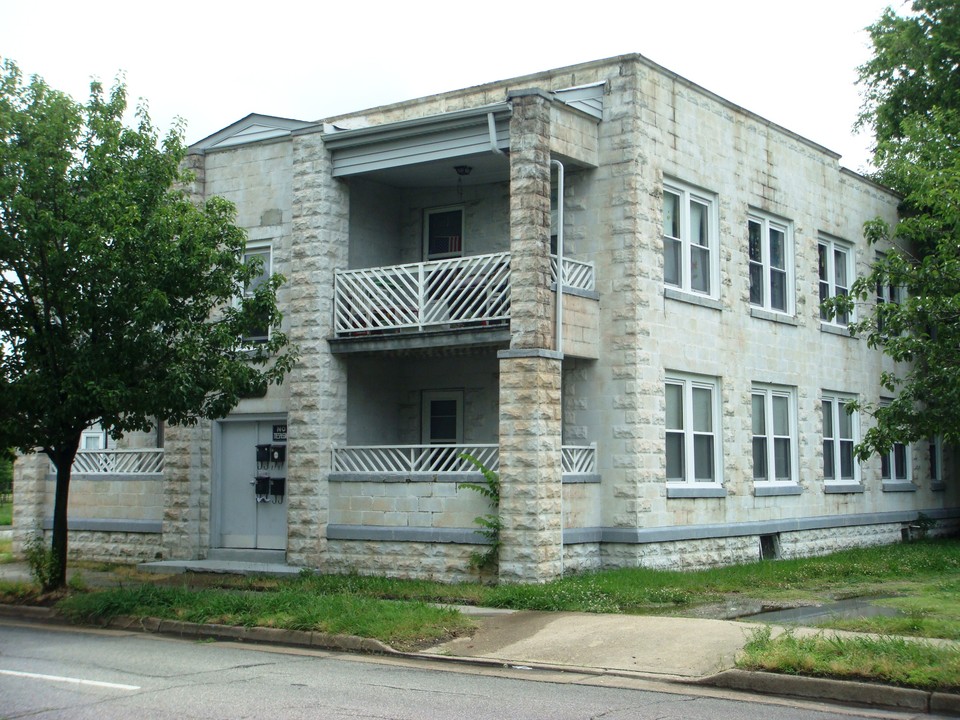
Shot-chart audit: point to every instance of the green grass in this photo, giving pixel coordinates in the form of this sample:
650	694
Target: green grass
891	660
293	607
6	513
6	553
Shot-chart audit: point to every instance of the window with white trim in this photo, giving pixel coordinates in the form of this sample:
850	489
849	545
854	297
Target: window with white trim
774	434
895	463
443	233
935	458
840	434
692	429
835	268
690	239
886	294
259	332
770	244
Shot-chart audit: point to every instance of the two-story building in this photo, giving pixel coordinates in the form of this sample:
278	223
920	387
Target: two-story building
602	281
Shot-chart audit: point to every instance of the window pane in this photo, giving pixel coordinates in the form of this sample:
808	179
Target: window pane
674	407
781	415
885	466
759	458
703	458
702	410
671	261
900	460
756	283
840	268
822	264
828	418
264	257
777	246
828	460
759	420
699	234
846	460
845	422
444	232
671	215
755	241
675	456
781	455
700	269
778	290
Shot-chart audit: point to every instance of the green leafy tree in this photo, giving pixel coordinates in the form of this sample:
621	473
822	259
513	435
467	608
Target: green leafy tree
122	300
912	104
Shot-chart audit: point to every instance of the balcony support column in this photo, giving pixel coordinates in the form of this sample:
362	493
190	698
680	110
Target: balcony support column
530	371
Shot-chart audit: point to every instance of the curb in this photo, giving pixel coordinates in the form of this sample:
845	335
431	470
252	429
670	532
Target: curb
823	689
842	691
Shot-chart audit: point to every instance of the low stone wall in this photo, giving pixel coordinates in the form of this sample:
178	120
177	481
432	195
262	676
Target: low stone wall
445	562
112	547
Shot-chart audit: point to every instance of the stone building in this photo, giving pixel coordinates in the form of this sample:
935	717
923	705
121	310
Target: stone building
681	404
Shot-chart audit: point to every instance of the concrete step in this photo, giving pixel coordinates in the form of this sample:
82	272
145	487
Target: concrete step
249	556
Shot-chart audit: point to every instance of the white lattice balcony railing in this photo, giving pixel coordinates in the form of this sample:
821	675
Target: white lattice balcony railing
119	462
576	274
579	459
457	292
402	459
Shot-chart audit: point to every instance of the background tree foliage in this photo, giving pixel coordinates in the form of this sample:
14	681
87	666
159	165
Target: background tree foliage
119	295
912	104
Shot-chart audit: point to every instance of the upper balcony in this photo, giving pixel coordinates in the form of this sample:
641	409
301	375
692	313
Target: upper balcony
449	295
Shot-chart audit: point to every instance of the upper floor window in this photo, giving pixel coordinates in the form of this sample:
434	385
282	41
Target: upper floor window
835	266
774	434
690	239
259	332
443	233
886	294
692	429
935	458
840	430
771	263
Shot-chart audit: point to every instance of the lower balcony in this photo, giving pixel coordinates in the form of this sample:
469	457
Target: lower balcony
147	461
385	462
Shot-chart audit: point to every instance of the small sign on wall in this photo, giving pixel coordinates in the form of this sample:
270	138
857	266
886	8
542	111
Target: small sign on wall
280	433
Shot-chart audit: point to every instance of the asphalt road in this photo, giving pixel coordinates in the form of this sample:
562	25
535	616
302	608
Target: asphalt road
49	672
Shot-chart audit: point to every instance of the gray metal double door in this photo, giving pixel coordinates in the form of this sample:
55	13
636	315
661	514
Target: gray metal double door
250	519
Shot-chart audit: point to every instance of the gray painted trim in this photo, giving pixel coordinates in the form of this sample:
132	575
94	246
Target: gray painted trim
835	330
94	525
771	490
776	317
580	536
899	487
842	488
586	478
534	353
673	294
640	536
93	477
480	336
676	491
588	294
379	533
454	477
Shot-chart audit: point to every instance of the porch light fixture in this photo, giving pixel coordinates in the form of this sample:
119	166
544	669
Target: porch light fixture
462	172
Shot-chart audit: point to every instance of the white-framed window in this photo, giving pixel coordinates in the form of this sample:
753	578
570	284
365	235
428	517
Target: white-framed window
259	332
770	244
93	438
693	429
840	435
443	232
935	459
886	294
895	463
690	239
774	434
836	270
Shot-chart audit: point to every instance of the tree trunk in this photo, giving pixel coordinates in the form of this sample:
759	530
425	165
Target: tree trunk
62	458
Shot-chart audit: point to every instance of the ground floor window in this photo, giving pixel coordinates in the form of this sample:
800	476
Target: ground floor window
774	434
840	429
692	423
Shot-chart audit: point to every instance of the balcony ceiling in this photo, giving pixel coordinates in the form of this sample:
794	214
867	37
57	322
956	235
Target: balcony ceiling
485	168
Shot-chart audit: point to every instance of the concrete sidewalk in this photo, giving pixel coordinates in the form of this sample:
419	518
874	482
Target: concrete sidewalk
666	649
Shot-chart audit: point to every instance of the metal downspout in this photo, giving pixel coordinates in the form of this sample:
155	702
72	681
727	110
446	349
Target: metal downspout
492	131
559	331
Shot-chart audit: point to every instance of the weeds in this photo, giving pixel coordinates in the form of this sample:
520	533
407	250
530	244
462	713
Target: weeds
489	524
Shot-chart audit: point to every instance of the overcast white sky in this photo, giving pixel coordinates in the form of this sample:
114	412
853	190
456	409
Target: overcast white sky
212	63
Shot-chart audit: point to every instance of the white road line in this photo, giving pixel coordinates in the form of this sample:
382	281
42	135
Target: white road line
73	681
